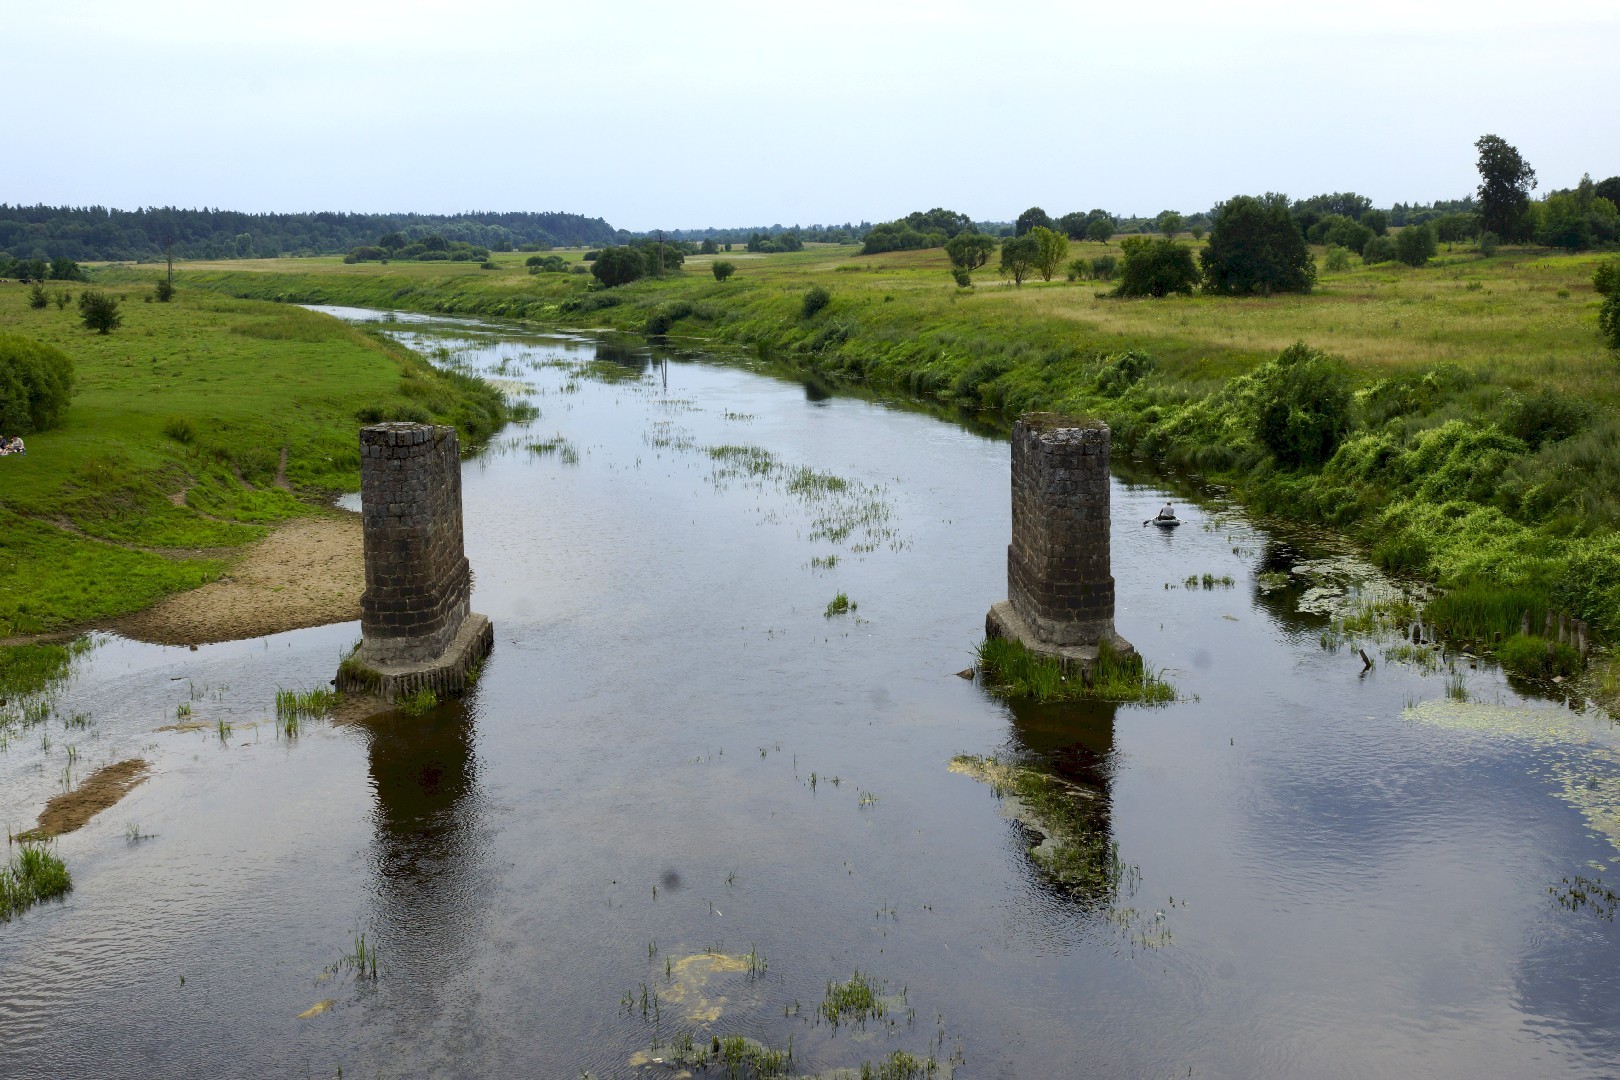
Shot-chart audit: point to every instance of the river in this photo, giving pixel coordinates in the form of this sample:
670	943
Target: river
683	798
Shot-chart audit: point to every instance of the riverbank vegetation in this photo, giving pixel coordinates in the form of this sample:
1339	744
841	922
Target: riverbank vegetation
192	427
1475	444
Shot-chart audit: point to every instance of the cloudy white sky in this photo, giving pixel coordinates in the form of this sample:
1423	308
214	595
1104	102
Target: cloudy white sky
665	114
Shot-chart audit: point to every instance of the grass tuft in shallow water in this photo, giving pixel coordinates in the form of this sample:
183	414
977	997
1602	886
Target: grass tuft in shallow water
858	1000
1011	671
34	874
839	605
423	701
305	704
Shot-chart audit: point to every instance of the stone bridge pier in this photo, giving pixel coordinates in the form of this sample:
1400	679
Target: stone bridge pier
417	631
1060	584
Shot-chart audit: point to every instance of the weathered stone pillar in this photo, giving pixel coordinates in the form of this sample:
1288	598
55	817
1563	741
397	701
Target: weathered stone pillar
416	628
1060	585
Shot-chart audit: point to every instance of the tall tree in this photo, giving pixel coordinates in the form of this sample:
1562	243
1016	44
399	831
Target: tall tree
970	250
1053	249
1505	183
1019	256
1029	219
1170	223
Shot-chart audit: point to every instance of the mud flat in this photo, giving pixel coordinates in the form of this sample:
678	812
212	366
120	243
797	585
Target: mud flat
309	572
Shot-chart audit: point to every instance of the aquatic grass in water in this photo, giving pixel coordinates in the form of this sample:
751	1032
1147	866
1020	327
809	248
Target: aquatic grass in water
565	450
839	605
859	999
1538	658
417	704
1485	613
843	510
305	704
33	874
1011	671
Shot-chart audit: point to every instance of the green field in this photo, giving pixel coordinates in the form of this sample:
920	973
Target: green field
1483	452
170	458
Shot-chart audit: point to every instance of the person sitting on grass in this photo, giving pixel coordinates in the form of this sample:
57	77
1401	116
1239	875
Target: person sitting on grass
15	446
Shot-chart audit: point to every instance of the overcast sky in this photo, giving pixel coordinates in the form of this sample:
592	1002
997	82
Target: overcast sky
687	114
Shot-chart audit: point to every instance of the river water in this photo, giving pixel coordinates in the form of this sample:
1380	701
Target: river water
676	759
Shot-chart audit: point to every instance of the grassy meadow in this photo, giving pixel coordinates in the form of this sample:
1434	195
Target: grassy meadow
1485	451
170	457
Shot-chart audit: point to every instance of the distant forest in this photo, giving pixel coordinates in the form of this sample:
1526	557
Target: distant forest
96	233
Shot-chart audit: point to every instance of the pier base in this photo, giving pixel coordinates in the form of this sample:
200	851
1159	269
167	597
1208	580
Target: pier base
447	675
1003	621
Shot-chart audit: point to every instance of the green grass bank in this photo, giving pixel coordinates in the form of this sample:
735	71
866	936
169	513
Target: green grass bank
196	426
1482	451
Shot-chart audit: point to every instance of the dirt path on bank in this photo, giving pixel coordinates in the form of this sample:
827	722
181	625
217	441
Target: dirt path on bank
308	572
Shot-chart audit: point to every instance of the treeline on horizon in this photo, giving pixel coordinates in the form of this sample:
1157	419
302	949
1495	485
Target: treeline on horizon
101	234
948	223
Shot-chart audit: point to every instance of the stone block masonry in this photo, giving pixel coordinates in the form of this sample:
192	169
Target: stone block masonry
414	614
1060	585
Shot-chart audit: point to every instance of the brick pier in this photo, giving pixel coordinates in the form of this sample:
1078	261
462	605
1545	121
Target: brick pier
416	627
1060	585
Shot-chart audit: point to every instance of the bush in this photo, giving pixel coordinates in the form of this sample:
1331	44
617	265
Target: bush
1537	658
814	300
1416	244
1102	267
1079	269
963	277
1606	279
619	266
1124	370
99	311
1488	242
1609	320
179	429
1156	268
163	292
1303	400
36	382
1337	259
666	316
486	265
1255	248
1380	249
38	299
722	270
1545	417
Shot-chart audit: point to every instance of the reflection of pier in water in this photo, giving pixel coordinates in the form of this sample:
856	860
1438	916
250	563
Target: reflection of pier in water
431	883
1067	750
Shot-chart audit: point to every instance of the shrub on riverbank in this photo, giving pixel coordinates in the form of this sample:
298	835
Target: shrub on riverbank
36	383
